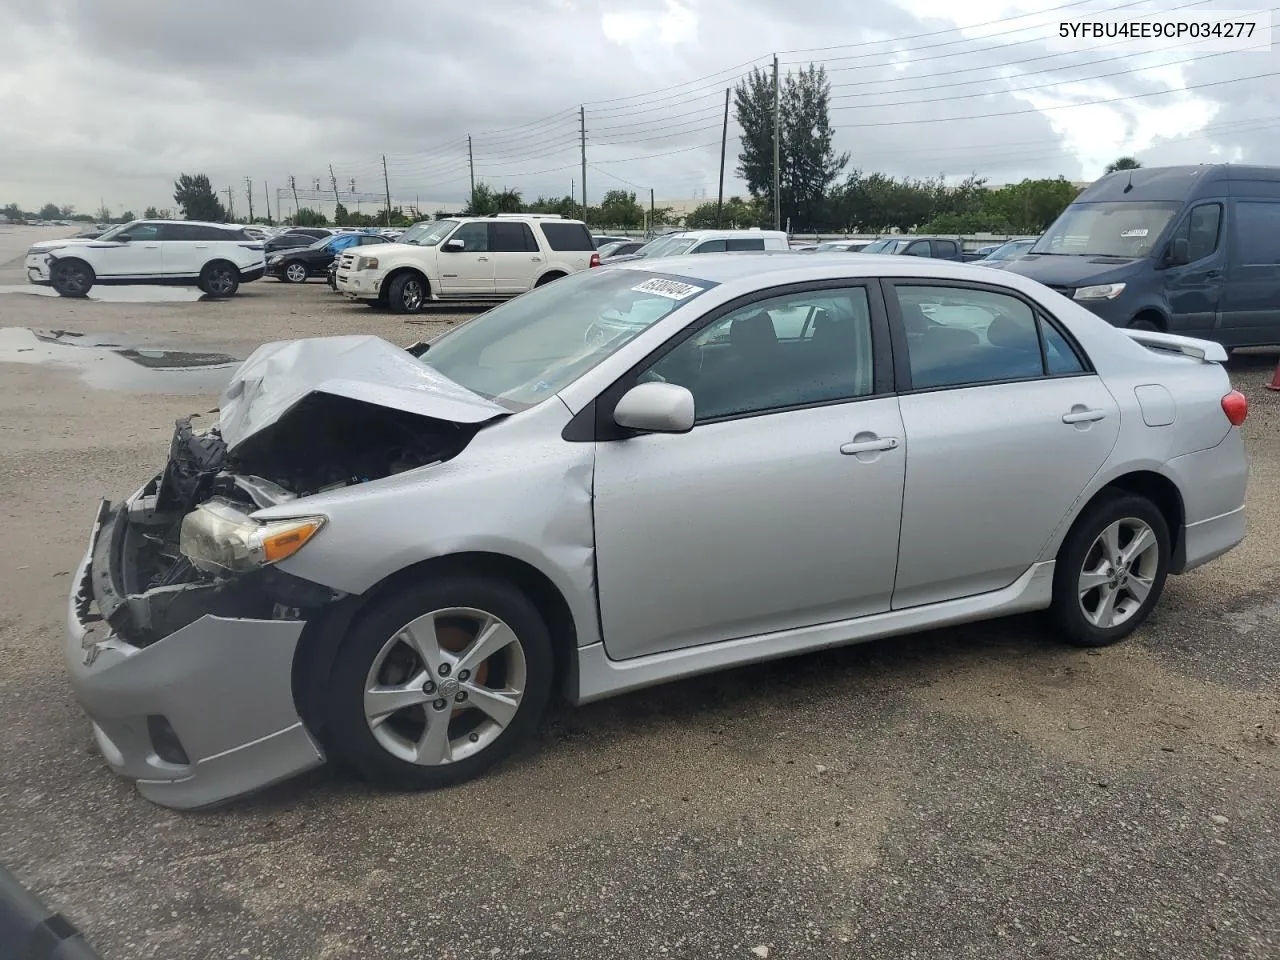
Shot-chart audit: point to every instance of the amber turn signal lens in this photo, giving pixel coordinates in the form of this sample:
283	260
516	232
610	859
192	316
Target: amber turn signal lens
284	539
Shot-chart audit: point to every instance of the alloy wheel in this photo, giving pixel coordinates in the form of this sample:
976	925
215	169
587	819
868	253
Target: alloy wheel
411	296
296	273
1118	573
445	686
220	282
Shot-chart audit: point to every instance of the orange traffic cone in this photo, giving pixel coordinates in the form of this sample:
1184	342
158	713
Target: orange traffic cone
1275	379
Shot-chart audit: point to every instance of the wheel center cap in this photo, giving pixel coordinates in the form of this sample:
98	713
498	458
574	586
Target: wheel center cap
449	687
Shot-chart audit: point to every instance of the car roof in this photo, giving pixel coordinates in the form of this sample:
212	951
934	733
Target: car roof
754	270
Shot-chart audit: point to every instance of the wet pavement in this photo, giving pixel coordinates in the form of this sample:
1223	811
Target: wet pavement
134	293
108	362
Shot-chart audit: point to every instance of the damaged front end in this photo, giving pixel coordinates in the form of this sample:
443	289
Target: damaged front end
182	627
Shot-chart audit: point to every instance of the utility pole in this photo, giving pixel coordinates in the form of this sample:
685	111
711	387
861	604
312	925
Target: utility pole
387	184
471	165
777	147
231	204
651	208
248	191
336	202
293	185
582	125
724	142
266	195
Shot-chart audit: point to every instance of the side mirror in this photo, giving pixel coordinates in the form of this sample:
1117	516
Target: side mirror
655	408
123	238
1179	252
455	246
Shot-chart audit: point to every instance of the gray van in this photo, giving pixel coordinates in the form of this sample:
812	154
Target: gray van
1189	250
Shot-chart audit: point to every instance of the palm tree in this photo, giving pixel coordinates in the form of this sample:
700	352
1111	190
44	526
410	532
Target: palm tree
1123	163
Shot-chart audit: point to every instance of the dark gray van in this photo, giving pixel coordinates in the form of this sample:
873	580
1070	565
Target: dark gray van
1189	250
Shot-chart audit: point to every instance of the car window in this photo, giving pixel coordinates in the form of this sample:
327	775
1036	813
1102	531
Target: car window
710	246
945	248
1257	236
174	232
474	237
1200	230
918	249
567	236
511	238
369	238
957	336
744	243
144	231
773	354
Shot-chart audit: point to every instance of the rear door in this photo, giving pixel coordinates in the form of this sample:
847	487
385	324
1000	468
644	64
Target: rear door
1250	301
918	248
469	271
1005	424
945	249
515	255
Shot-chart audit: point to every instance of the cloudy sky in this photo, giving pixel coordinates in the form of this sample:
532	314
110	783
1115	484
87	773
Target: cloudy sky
108	100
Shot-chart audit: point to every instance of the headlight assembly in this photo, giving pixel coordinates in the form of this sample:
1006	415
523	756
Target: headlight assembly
219	536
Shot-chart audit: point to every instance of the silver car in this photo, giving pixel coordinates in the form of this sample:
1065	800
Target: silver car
396	557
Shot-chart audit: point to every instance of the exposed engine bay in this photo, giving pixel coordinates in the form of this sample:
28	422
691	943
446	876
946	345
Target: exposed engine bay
145	586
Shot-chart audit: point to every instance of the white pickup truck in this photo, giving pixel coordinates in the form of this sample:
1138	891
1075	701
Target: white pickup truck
466	258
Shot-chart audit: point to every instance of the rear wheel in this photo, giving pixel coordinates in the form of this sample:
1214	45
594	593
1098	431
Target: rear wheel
1144	322
439	682
295	272
548	278
1110	571
407	293
71	278
220	279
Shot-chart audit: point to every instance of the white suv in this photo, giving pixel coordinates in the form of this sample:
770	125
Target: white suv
216	257
466	258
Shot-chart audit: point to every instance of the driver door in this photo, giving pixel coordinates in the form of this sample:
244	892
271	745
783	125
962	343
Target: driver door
469	271
139	257
781	508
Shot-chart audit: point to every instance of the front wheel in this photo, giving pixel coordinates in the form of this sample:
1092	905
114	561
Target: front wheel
1110	571
407	293
295	272
220	279
439	682
71	278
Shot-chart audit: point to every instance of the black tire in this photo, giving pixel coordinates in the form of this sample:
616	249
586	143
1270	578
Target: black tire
299	275
71	278
220	279
407	293
1080	547
350	735
548	278
1141	323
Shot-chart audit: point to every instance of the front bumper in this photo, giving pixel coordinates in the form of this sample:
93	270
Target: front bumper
359	285
222	685
37	268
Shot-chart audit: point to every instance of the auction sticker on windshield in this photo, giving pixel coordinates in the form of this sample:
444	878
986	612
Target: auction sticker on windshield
671	289
1139	232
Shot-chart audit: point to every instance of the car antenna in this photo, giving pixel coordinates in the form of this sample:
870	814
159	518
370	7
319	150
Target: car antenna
1129	185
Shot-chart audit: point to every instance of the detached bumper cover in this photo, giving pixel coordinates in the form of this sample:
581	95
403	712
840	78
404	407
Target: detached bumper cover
222	684
38	268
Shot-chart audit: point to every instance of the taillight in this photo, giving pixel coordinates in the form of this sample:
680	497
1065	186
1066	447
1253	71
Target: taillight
595	260
1236	406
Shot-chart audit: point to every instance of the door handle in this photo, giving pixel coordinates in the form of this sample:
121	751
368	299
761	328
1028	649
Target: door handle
202	246
536	259
1212	274
483	259
1083	416
869	446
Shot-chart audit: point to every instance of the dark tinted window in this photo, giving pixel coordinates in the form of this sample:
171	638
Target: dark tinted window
958	336
918	249
744	243
710	246
567	236
511	238
473	236
1258	232
372	238
1200	230
945	248
179	231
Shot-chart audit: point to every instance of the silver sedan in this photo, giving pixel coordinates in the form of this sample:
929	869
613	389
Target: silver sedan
397	557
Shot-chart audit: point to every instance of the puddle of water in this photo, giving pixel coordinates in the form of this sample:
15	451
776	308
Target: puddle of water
124	294
105	364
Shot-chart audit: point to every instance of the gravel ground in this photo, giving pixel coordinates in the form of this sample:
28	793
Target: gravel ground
972	792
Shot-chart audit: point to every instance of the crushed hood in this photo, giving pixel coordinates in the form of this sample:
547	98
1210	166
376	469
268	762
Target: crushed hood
277	376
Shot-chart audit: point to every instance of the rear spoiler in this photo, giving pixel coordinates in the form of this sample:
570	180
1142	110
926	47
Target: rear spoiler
1205	350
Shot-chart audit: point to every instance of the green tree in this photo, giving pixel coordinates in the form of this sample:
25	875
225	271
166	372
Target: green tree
13	211
50	211
66	211
1123	163
104	214
193	193
126	217
340	215
305	217
736	213
1030	206
564	206
151	213
808	163
620	209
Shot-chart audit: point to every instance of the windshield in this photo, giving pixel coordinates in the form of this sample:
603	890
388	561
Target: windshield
1113	229
666	246
116	231
1011	250
428	233
887	245
527	349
